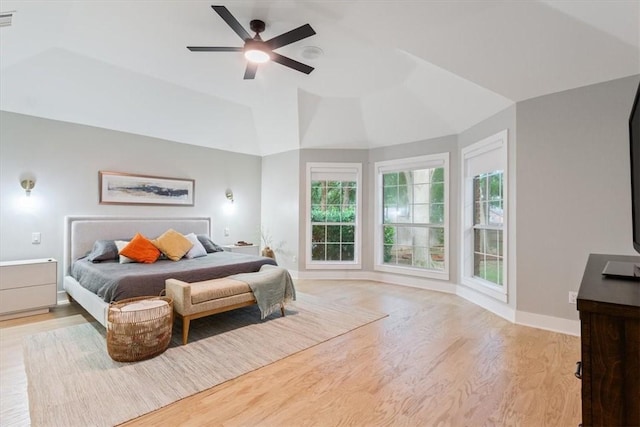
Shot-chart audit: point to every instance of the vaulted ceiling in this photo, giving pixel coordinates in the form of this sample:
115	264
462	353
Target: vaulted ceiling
391	72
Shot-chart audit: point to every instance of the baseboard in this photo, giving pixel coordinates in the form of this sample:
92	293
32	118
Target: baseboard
550	323
62	297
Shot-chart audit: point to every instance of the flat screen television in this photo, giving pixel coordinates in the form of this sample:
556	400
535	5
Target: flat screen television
634	144
629	269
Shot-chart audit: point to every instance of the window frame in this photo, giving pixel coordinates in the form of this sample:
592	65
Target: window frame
494	147
420	162
337	168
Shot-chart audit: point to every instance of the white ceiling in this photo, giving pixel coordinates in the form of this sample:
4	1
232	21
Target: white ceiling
392	71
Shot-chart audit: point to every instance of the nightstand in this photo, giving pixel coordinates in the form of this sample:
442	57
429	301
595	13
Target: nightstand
247	249
27	287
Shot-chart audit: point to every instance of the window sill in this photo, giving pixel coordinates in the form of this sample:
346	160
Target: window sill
411	271
319	265
496	292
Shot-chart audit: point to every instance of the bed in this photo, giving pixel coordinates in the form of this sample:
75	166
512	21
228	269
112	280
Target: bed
82	279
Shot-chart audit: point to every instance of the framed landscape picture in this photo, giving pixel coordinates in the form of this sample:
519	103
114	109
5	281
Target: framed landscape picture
128	189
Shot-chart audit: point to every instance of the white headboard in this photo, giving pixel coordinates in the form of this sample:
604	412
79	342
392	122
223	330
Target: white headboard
80	232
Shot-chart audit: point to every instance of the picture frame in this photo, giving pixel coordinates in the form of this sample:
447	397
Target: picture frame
117	188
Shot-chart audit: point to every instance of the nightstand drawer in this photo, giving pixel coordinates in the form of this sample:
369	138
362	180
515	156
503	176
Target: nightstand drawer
19	274
247	249
28	298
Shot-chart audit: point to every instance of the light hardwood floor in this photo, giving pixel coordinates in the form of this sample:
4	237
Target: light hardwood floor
436	359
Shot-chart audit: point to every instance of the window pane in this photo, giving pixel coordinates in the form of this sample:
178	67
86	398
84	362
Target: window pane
421	257
348	233
333	252
495	213
488	256
390	195
403	195
349	196
421	193
437	175
390	179
420	176
404	255
390	214
348	252
333	233
317	192
437	213
318	252
420	214
348	213
437	193
318	214
318	233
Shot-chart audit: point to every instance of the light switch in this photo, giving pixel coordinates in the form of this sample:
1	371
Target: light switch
35	238
226	232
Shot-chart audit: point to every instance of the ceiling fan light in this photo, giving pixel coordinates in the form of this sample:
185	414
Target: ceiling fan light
256	56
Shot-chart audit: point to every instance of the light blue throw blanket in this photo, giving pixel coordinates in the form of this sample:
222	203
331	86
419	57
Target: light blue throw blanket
271	286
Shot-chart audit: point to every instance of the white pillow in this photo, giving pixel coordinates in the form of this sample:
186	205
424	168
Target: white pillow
197	250
120	244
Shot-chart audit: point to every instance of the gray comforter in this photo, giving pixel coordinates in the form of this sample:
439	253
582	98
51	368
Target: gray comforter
113	281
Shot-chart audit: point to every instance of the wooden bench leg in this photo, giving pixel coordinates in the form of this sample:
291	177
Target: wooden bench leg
185	329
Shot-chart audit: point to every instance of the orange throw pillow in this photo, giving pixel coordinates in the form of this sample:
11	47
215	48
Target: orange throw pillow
140	249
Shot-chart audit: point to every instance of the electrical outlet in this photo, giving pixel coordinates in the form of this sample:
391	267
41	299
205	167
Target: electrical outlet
573	296
294	258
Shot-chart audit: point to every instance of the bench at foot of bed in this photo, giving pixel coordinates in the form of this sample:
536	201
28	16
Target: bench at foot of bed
200	299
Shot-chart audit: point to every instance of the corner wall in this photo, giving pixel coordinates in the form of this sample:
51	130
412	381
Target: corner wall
280	206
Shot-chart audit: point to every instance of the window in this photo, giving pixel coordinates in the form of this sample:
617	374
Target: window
333	220
484	219
411	230
488	215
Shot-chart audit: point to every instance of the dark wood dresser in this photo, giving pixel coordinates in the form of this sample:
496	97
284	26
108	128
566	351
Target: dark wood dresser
610	345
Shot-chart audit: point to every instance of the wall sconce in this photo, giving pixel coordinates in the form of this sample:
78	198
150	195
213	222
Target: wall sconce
27	185
229	195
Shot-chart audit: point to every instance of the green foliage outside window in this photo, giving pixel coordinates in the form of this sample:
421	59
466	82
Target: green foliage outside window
333	216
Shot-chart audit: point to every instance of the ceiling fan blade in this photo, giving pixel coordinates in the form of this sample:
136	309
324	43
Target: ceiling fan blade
291	63
214	49
250	71
232	22
290	37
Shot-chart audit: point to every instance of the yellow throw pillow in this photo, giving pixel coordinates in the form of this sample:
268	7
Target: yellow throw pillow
173	244
140	249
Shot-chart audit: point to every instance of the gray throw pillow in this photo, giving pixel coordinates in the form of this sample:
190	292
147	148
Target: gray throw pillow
208	244
103	250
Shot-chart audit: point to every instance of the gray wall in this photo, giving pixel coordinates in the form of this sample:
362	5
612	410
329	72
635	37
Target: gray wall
574	194
280	205
65	159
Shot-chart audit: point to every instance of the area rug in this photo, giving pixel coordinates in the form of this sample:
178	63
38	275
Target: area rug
72	381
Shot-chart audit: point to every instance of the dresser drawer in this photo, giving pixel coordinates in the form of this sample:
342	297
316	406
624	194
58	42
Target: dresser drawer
28	298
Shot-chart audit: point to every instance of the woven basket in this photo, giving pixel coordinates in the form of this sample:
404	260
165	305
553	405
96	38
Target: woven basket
137	332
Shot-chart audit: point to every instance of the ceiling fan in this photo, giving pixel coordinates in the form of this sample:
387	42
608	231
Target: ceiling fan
255	49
